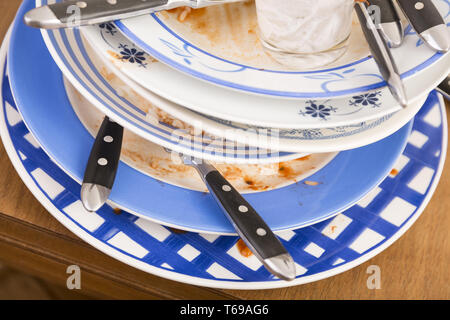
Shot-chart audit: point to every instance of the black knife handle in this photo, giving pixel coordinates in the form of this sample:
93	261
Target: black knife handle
388	13
247	222
103	161
422	14
444	88
93	11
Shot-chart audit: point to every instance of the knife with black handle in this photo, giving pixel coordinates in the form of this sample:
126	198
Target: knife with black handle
74	13
444	88
426	20
387	20
381	54
102	165
250	226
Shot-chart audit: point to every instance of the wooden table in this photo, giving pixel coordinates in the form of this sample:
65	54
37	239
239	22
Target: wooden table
33	241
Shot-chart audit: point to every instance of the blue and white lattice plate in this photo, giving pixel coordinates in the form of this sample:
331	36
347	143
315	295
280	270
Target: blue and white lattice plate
320	251
50	118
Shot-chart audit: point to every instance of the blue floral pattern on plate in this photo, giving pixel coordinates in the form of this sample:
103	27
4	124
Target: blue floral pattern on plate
372	99
354	78
132	55
108	27
317	110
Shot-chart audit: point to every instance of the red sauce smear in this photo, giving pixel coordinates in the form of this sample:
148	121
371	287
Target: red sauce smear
243	249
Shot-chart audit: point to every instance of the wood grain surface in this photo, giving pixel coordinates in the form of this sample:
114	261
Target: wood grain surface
414	267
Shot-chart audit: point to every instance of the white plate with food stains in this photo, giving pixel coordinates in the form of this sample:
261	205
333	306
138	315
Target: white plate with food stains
151	159
139	70
219	146
220	45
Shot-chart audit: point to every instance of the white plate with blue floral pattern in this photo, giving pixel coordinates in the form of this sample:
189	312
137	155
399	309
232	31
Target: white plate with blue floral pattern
216	45
170	86
320	251
329	139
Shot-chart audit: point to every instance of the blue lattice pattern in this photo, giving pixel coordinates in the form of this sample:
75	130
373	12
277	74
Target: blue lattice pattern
318	248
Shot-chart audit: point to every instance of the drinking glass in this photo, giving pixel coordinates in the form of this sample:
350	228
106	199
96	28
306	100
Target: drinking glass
304	34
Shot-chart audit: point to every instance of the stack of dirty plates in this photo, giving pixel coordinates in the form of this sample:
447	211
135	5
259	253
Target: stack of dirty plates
328	158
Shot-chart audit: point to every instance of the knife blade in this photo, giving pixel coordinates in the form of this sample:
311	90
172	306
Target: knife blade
252	229
102	165
74	13
444	88
426	20
381	54
388	21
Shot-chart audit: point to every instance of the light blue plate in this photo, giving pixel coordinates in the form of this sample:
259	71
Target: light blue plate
39	93
320	251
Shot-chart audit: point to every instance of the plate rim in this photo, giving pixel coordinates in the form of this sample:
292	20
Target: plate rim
190	229
137	129
123	72
382	130
218	230
220	284
124	27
